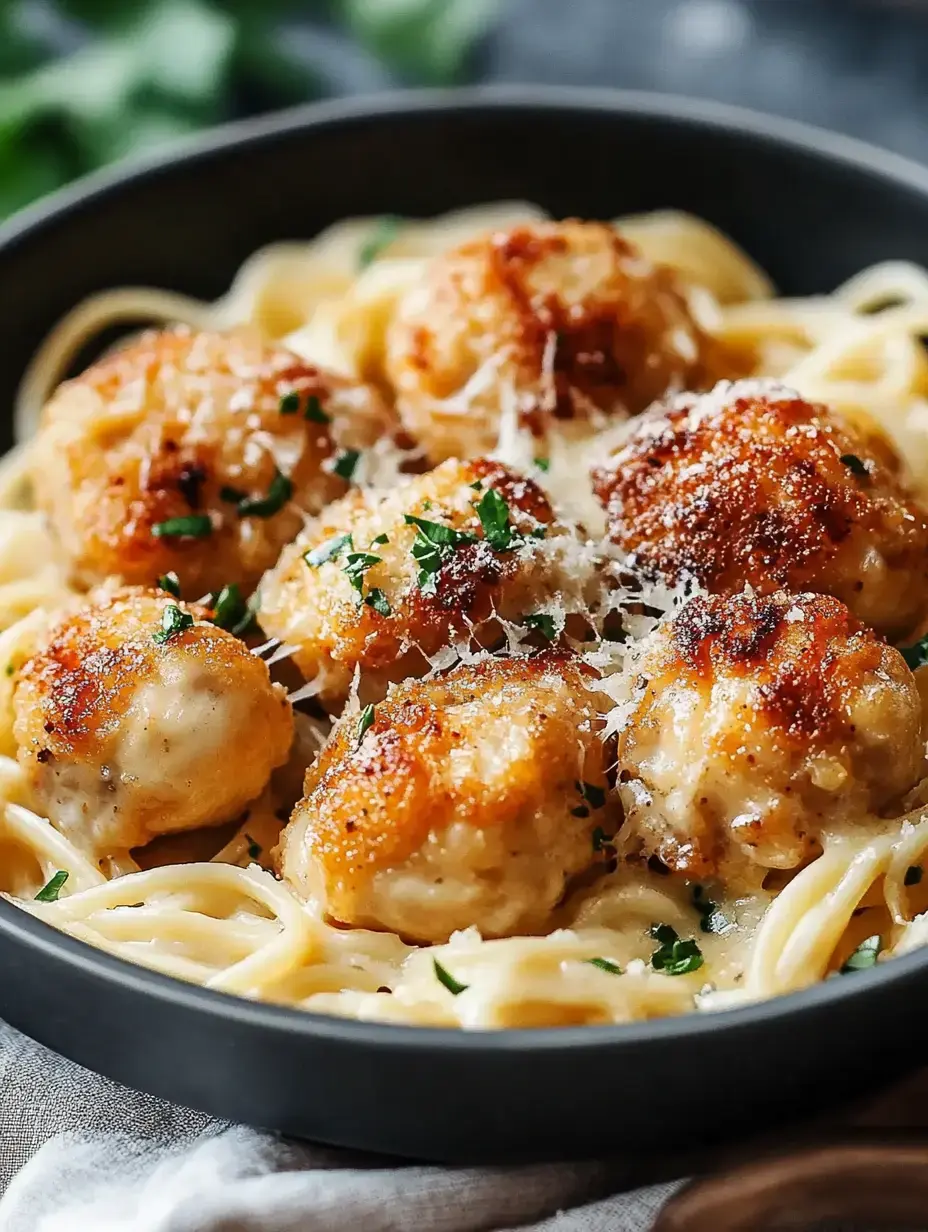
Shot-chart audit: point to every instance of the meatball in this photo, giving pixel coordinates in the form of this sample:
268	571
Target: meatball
751	484
381	581
759	722
562	320
194	453
137	717
467	800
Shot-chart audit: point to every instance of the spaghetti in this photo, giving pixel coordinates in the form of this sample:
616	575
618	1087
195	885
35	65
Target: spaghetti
228	923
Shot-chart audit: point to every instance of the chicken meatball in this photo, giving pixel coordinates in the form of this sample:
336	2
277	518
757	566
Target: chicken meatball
195	453
378	582
565	321
759	722
751	484
137	717
466	800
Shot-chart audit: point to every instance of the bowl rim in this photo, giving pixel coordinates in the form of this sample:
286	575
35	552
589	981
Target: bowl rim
56	947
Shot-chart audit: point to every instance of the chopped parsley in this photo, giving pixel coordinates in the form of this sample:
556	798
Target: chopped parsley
854	465
376	543
10	669
494	518
279	492
231	495
356	565
346	463
864	956
543	464
604	965
52	888
543	623
593	795
193	526
913	874
447	979
382	235
254	849
170	582
314	412
173	622
290	403
711	919
674	956
477	485
330	550
376	599
917	655
365	722
432	547
231	612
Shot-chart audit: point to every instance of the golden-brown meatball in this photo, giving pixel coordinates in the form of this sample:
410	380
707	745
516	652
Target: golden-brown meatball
566	320
381	580
197	453
752	485
137	717
760	721
466	800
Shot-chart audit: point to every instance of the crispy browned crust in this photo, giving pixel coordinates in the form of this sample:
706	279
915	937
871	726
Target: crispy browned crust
108	481
374	803
73	693
753	490
611	349
803	652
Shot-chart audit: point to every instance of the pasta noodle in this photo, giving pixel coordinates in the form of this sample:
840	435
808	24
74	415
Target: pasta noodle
228	923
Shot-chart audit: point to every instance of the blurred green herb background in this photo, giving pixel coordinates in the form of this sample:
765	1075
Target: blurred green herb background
84	82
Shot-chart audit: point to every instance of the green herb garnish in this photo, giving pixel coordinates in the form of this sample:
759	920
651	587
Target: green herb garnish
170	582
543	464
543	623
279	492
173	622
376	543
854	465
365	722
711	919
10	669
447	979
604	965
314	412
231	495
384	232
432	546
52	888
193	526
494	518
864	956
376	599
593	795
917	655
913	874
356	565
231	612
254	849
290	403
346	463
673	956
330	550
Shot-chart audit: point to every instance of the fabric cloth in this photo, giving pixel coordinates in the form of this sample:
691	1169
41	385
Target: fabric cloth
79	1153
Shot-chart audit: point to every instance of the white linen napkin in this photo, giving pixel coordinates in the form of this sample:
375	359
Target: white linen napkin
79	1153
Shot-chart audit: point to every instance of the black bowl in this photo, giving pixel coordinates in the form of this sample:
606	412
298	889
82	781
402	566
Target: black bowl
812	209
